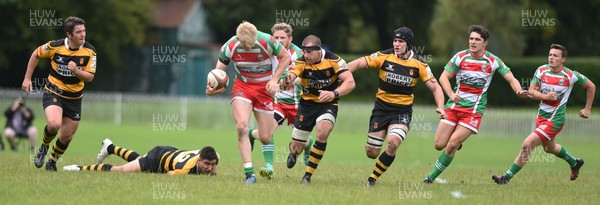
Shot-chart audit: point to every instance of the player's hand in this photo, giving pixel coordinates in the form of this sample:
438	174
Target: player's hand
523	93
442	113
272	86
552	95
326	95
72	67
284	83
210	91
26	86
455	98
585	113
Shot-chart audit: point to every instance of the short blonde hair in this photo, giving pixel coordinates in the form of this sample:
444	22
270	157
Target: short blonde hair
246	33
282	27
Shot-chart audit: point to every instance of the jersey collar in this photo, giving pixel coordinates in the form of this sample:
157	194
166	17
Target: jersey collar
67	45
412	54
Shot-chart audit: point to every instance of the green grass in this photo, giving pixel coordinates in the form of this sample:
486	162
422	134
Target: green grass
340	178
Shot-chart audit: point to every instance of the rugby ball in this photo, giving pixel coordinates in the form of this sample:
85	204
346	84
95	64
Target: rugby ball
217	79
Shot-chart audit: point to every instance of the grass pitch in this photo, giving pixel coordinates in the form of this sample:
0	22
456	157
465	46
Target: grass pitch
339	179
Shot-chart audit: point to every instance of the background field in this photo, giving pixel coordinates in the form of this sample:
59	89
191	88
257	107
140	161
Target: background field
340	178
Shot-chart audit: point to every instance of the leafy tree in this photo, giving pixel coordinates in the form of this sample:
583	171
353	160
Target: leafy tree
451	20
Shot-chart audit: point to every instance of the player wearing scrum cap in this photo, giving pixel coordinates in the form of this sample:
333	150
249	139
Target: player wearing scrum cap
399	71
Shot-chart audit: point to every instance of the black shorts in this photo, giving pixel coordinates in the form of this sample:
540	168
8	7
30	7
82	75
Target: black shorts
71	107
381	120
151	161
309	111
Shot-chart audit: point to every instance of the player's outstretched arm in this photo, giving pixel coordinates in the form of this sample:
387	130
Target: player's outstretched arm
515	85
359	63
590	94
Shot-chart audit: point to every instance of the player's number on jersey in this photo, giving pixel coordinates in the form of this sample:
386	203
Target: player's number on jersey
184	158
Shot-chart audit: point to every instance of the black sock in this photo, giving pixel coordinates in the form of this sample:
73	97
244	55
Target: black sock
383	163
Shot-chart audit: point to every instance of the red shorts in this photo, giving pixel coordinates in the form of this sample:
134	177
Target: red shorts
545	129
255	94
469	120
286	111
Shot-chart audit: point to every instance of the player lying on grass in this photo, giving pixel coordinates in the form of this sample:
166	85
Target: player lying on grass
161	159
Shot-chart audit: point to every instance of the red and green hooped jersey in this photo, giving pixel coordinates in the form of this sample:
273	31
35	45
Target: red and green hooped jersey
562	83
255	66
290	96
473	77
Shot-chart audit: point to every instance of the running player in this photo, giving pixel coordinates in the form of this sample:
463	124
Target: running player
286	100
473	69
552	85
73	63
399	71
324	79
254	53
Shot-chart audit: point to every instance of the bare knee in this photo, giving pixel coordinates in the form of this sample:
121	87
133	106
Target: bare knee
242	129
322	135
439	146
264	138
526	149
10	133
392	144
32	132
296	147
372	152
54	126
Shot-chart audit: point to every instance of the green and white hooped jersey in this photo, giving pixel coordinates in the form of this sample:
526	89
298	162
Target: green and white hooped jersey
290	96
255	66
562	83
473	77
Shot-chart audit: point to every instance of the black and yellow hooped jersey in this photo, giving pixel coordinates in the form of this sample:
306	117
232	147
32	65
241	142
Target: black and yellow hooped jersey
62	81
180	162
319	76
397	78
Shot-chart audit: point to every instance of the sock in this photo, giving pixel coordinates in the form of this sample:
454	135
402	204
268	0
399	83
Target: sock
97	167
251	138
248	169
316	154
514	168
564	154
58	149
127	155
442	162
268	151
383	163
310	141
48	137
